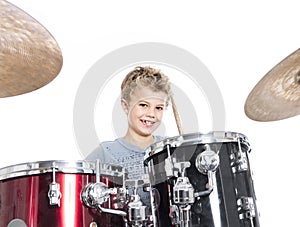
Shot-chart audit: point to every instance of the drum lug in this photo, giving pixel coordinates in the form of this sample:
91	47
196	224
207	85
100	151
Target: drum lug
246	208
54	193
239	160
183	192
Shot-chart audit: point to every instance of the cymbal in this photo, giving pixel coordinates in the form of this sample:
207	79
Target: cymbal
277	95
30	57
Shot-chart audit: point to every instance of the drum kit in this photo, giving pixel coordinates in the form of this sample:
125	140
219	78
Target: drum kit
193	179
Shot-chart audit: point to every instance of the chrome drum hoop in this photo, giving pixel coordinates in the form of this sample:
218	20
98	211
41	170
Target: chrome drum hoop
63	166
196	138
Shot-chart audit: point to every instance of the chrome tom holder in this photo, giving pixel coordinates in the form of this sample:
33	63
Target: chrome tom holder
184	194
94	195
128	205
136	210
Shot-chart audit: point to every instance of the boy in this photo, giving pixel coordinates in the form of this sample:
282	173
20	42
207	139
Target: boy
145	93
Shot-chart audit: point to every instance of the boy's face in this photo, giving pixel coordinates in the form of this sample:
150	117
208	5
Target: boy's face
145	110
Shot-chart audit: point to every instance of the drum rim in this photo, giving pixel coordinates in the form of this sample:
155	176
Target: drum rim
62	166
194	138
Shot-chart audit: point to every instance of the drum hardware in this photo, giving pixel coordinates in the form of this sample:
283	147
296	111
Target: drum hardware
118	198
239	159
246	208
17	223
174	142
137	215
207	163
174	213
54	193
169	164
96	194
136	210
93	224
183	191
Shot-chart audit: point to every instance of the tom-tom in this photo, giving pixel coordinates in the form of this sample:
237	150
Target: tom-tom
58	193
202	180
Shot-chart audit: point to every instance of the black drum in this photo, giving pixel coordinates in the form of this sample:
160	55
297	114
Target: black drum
202	180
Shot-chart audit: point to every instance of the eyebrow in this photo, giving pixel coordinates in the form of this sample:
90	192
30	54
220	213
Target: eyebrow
159	104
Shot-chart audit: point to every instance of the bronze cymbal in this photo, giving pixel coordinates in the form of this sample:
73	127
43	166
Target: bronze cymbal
277	95
30	57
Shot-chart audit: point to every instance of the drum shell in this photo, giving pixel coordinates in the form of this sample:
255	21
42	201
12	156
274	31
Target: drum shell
233	180
26	198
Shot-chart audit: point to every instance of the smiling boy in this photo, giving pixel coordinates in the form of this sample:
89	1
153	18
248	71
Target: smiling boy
145	93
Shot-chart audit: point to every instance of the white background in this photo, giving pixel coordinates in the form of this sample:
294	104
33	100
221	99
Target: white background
238	41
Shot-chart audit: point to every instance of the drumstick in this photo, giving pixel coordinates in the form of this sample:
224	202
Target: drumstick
176	115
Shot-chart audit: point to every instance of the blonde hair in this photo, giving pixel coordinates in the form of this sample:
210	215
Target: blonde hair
154	79
145	77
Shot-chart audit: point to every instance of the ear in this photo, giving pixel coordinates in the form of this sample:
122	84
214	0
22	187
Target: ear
124	105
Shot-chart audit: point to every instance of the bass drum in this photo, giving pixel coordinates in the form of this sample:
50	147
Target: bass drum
202	180
48	193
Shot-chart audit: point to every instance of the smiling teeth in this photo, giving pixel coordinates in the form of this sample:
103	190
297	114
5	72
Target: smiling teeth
148	123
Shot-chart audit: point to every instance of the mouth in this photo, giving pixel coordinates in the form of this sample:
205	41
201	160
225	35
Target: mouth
147	123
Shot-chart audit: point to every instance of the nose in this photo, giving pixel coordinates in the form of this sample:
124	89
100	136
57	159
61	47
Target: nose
150	112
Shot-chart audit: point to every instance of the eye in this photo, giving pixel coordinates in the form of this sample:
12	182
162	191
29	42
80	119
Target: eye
160	108
143	105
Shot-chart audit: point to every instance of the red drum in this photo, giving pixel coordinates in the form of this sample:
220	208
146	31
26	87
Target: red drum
202	180
49	193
